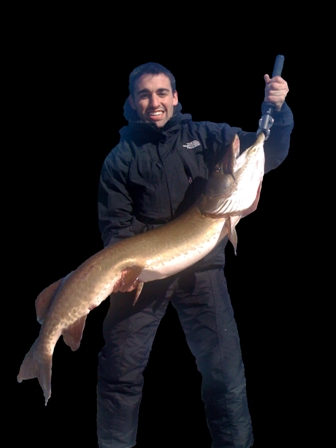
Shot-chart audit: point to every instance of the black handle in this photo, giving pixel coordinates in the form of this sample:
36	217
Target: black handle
278	65
277	70
266	121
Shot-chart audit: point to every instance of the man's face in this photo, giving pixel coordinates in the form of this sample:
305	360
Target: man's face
154	99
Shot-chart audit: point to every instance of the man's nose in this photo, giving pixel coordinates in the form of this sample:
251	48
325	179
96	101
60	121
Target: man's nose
154	100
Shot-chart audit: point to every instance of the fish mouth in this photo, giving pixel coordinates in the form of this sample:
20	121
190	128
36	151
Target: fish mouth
235	181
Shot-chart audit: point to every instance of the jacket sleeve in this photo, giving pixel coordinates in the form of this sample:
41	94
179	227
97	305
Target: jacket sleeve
277	145
114	201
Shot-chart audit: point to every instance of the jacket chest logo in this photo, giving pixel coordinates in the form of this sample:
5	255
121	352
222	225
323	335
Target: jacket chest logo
192	144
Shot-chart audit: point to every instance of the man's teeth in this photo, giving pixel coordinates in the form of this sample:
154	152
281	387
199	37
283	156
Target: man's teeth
155	113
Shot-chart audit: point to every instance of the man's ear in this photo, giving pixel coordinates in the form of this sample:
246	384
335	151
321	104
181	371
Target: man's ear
175	101
130	100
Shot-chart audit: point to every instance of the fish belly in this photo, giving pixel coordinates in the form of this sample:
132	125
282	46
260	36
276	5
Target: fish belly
169	262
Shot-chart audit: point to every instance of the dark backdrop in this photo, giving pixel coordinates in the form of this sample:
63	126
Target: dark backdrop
66	110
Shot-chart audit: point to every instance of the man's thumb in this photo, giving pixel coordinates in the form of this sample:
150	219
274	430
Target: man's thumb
266	78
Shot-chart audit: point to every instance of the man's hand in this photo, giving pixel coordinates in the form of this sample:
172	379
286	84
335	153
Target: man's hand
276	90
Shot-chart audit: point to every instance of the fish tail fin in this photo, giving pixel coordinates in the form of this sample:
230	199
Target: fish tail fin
37	368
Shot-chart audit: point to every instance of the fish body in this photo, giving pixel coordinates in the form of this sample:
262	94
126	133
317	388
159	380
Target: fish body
232	192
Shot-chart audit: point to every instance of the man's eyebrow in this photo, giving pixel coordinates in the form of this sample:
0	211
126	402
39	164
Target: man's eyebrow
161	90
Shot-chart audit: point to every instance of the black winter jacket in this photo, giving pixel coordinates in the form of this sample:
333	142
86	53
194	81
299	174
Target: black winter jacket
154	174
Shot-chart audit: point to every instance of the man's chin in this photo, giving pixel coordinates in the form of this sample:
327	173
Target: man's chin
158	123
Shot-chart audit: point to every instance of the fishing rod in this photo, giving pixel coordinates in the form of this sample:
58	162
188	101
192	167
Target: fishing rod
266	121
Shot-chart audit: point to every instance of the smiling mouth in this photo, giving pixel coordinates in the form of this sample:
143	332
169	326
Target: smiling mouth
158	113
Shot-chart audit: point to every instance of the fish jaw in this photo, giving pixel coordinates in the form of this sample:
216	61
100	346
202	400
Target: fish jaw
237	186
221	176
250	167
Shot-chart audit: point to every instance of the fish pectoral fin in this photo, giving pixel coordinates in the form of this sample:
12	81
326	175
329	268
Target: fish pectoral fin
232	233
129	279
138	292
72	335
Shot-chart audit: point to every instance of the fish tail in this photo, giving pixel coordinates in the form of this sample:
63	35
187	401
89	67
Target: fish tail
32	367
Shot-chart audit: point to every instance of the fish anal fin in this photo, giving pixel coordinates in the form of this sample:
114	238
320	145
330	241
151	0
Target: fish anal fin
73	334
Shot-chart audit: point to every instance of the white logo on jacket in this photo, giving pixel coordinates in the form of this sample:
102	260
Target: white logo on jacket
192	144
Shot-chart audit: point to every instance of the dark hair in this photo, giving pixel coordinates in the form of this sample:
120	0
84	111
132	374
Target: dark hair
150	68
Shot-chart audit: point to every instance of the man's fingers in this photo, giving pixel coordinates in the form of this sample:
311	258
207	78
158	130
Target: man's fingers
266	78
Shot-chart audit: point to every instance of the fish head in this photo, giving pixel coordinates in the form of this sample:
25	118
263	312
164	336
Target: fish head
221	176
234	182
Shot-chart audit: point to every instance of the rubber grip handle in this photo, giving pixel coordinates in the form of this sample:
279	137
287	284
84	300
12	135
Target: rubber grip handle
278	65
267	120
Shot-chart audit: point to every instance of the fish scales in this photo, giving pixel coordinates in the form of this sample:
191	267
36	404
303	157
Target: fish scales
232	192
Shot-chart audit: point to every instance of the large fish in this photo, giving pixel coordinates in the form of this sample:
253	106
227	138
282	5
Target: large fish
232	191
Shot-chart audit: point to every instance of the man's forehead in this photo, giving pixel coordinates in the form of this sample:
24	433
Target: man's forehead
149	82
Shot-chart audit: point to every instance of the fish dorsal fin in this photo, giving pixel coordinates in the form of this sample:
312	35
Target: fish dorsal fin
46	297
44	300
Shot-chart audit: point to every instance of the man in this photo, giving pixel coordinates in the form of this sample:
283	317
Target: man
155	173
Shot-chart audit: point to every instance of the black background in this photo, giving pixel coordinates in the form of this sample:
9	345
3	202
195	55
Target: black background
68	82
